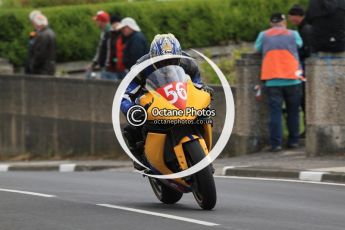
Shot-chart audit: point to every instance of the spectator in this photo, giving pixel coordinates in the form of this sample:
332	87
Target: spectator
327	18
297	18
42	46
115	67
32	37
102	20
135	42
281	73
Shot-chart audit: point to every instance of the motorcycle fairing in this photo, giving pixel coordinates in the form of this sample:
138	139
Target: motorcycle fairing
154	152
208	135
197	99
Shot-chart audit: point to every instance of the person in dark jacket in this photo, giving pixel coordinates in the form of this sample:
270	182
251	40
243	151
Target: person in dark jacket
32	37
102	20
42	50
297	18
135	42
327	18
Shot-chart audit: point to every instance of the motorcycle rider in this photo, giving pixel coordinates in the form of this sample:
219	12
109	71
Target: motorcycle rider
162	44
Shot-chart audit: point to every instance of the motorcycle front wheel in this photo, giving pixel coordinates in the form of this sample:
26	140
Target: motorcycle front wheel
164	193
204	188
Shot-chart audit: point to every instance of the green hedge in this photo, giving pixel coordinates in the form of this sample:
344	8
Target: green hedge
195	23
48	3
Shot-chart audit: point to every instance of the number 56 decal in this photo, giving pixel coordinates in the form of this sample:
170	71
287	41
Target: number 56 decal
175	93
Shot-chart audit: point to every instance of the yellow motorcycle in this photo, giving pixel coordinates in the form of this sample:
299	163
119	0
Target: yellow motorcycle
178	134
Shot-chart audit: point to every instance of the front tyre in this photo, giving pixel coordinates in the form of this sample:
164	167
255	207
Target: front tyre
204	189
164	193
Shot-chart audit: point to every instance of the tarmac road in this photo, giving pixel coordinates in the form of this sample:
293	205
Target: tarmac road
123	200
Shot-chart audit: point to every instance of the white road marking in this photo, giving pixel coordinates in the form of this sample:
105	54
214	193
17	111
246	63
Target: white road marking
160	215
67	167
311	176
4	168
27	193
279	180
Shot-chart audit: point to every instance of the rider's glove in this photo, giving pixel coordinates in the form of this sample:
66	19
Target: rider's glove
208	90
204	88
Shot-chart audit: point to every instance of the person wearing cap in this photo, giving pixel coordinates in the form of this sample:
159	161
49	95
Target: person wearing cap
42	46
102	20
135	42
281	73
297	17
114	65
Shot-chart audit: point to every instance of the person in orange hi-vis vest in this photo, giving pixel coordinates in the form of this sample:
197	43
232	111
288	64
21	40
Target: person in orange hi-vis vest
282	75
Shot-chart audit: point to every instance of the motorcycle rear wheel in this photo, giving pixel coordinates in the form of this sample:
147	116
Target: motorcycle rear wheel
164	193
204	188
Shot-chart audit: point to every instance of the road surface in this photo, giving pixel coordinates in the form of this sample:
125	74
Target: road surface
122	200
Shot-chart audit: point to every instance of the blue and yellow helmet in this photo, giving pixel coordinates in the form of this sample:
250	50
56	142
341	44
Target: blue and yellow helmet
165	44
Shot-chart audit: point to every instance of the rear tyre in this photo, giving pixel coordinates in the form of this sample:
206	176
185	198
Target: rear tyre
204	189
164	193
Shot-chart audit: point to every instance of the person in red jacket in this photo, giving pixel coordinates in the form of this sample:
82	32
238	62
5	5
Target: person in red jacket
115	69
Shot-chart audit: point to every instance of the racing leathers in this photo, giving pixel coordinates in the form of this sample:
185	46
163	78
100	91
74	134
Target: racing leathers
133	134
134	90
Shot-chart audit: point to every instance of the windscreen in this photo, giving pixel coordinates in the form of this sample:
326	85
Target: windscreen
164	76
170	82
